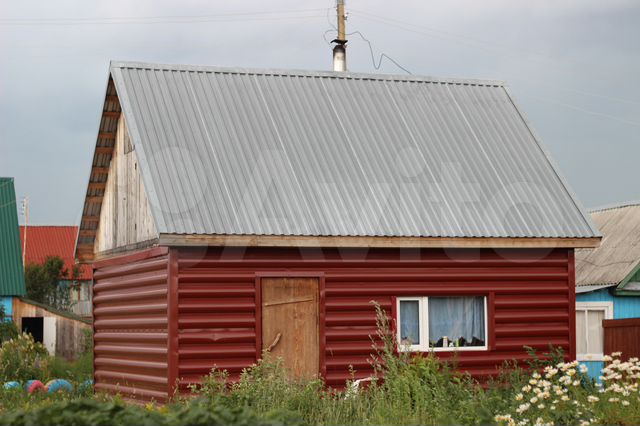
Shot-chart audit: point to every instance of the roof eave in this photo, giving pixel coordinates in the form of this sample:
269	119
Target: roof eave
367	241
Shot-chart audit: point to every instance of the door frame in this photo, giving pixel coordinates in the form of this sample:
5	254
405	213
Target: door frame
322	367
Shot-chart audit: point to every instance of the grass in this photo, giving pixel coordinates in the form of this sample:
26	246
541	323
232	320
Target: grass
78	370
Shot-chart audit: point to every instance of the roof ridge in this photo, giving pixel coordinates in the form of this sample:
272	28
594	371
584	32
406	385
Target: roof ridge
306	73
614	206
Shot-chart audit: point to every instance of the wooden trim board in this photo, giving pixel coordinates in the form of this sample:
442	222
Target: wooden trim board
392	242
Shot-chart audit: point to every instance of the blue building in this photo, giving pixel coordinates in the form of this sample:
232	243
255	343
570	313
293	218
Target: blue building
607	280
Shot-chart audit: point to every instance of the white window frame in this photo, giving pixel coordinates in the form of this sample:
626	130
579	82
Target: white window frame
423	314
421	319
607	307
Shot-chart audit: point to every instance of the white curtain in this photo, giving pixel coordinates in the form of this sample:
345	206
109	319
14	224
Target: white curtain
410	322
457	318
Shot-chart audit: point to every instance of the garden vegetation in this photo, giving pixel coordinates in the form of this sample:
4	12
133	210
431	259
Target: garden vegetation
417	389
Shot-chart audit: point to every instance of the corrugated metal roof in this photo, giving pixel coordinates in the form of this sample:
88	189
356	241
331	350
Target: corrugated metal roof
11	269
46	241
619	251
267	152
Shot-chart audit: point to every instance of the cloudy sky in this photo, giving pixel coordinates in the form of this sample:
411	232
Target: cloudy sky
573	66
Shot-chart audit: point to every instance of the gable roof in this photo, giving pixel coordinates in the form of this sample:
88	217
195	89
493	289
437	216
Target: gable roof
46	241
11	268
296	153
619	251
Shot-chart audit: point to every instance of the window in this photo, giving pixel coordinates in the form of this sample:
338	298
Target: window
442	323
589	331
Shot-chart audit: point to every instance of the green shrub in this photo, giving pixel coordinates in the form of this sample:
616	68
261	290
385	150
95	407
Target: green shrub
23	359
83	412
91	412
220	411
8	329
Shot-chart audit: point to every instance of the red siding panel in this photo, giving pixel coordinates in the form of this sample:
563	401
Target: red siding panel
529	297
130	307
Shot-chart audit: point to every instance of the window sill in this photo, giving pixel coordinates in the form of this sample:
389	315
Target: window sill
589	357
461	349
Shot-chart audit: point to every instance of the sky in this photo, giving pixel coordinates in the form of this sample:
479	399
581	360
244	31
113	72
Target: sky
572	66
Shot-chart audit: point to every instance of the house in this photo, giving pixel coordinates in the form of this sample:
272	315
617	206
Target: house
60	241
608	287
231	211
63	334
11	269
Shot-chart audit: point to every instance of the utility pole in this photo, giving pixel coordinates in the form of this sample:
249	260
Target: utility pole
340	49
25	212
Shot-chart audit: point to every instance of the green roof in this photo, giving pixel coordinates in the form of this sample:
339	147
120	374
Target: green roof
11	268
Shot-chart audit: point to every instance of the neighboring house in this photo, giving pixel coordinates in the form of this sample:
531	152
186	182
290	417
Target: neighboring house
608	281
232	211
11	268
47	241
61	333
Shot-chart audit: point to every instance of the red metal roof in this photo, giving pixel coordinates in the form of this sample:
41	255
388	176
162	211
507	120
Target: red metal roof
45	241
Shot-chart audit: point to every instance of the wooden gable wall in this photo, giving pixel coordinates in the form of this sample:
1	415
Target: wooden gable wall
126	221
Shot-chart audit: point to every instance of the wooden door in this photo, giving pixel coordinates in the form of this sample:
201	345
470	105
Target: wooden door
290	323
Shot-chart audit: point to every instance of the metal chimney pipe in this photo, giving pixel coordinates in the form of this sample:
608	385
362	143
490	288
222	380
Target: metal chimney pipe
340	49
339	57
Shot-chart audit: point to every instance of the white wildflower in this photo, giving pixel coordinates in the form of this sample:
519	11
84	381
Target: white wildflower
502	417
552	372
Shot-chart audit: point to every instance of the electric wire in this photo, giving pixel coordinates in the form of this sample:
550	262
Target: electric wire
382	56
482	44
164	19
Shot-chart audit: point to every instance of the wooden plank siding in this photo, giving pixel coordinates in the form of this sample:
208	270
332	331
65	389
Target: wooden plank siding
290	323
125	215
622	335
70	333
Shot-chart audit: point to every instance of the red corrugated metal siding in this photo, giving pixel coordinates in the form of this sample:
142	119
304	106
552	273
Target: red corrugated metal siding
130	325
529	302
